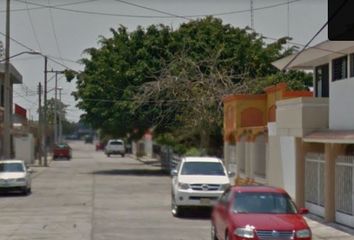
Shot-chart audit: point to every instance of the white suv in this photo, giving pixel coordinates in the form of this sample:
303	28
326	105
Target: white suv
197	181
115	146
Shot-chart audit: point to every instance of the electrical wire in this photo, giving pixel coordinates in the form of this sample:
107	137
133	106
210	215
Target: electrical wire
170	15
32	50
23	97
54	33
58	5
313	38
32	27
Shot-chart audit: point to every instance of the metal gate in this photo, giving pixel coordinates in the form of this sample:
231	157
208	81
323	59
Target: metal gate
345	190
314	183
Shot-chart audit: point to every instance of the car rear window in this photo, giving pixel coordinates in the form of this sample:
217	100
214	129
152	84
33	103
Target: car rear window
263	202
202	168
11	167
116	143
62	146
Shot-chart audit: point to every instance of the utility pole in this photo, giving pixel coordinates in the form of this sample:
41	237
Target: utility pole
56	110
7	86
40	124
60	117
252	15
45	123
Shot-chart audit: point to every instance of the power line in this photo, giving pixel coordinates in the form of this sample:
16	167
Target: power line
32	50
153	9
32	27
54	32
170	15
58	5
316	34
23	97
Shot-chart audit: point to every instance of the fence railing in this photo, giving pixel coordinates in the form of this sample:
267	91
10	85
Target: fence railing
169	160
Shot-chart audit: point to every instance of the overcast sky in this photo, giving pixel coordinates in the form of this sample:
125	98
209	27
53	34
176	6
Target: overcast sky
71	26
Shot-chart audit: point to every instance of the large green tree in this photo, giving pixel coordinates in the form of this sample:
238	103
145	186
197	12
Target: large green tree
172	80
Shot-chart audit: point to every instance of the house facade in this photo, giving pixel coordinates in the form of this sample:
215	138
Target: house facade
310	148
16	78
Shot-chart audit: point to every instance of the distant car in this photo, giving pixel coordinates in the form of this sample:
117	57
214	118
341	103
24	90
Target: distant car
15	176
197	182
100	146
62	150
257	213
88	139
115	146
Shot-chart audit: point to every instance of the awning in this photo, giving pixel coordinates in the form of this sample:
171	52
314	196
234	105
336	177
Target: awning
316	55
16	77
331	136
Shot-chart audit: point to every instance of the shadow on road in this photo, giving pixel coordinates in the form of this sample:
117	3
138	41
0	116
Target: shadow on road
132	172
197	213
10	194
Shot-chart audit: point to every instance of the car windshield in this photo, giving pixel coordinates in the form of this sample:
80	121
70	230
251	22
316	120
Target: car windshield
202	168
11	167
116	143
261	202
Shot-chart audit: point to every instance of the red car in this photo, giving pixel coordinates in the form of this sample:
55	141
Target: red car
258	212
100	146
62	151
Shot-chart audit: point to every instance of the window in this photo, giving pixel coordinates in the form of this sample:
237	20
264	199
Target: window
352	65
263	202
203	168
322	81
339	68
11	167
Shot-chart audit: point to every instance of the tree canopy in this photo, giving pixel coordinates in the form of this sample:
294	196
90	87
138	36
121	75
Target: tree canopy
173	80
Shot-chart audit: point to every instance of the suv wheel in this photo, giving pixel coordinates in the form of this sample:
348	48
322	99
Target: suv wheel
176	210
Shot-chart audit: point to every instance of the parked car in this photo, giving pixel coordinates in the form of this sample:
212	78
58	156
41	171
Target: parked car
62	150
115	146
258	212
100	146
197	182
88	139
15	176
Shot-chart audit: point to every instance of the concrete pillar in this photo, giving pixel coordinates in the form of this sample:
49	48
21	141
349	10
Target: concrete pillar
241	156
301	150
226	154
329	184
251	159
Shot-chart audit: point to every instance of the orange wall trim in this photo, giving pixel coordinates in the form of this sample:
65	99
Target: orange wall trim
294	94
244	97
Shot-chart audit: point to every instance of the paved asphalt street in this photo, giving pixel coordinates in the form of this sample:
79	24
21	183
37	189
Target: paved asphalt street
93	197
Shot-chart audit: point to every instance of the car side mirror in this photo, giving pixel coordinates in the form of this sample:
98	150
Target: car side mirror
303	211
173	172
231	174
30	170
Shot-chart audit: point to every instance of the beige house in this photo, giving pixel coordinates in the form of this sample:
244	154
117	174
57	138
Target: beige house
310	143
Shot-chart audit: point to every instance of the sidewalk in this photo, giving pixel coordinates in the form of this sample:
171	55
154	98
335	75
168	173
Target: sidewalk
321	230
37	168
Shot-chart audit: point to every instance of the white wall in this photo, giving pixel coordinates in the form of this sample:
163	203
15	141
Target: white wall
288	160
24	148
341	105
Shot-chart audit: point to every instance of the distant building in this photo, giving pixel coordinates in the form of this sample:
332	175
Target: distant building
16	78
